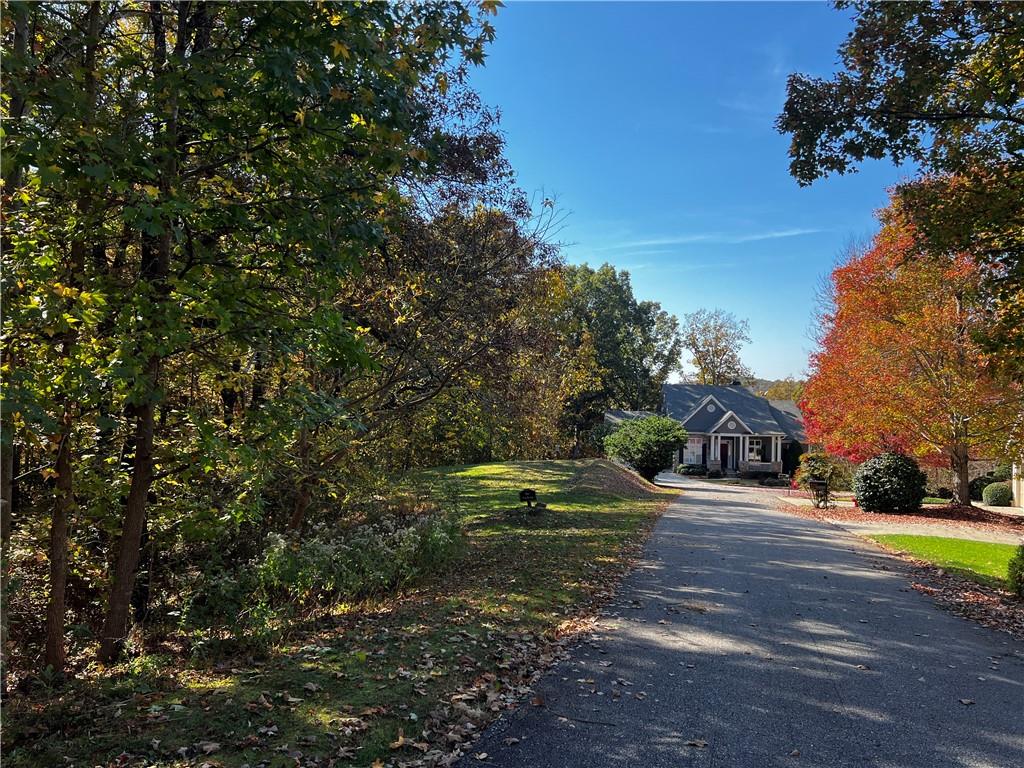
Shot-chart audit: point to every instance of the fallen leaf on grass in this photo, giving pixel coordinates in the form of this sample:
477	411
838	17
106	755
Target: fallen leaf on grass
401	741
208	747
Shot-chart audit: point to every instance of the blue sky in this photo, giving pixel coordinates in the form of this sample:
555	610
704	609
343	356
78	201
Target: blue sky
651	126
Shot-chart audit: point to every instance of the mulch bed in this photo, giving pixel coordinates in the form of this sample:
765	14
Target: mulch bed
949	517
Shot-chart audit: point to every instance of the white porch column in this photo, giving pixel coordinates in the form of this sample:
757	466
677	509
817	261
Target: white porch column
776	445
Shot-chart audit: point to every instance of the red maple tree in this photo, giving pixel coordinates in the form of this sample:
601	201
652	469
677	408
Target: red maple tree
898	367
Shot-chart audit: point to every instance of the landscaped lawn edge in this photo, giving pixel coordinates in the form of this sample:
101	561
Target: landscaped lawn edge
989	606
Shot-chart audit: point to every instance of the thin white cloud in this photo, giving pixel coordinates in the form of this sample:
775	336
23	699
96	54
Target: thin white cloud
716	238
795	232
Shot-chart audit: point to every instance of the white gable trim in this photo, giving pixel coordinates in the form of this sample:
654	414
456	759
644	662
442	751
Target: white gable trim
701	405
732	415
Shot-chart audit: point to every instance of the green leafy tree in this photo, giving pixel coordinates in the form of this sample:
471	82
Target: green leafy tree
785	389
646	444
194	183
637	345
938	84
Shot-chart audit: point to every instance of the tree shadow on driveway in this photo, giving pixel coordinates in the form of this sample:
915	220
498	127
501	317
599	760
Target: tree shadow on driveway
752	638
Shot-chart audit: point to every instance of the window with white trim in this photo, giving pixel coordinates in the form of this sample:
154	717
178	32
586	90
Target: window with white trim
692	453
754	449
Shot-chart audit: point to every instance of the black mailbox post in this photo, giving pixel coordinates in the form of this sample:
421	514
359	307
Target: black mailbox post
529	496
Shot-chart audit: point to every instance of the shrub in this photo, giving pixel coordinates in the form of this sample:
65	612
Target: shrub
977	486
818	467
691	469
773	482
890	482
714	474
646	444
997	495
1002	472
1015	572
289	575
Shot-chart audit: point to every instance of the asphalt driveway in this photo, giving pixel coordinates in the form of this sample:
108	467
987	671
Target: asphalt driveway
751	638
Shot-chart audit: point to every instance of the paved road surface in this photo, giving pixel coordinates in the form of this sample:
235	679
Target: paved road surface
764	639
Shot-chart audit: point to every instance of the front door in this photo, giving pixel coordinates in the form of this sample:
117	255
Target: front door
725	454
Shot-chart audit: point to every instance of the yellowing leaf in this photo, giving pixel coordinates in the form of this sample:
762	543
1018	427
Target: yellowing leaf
218	92
150	190
340	49
357	120
339	94
401	741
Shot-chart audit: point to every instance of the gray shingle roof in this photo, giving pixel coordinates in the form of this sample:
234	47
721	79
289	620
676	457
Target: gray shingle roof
615	416
787	413
762	416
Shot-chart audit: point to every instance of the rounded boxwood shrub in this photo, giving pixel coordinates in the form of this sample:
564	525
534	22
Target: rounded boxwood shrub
891	482
1015	572
997	495
646	444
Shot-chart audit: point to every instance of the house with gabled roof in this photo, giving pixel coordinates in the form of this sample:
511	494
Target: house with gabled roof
731	428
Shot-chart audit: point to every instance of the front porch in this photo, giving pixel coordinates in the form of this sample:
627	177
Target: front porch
734	453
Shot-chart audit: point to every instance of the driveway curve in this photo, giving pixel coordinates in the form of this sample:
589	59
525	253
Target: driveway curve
750	638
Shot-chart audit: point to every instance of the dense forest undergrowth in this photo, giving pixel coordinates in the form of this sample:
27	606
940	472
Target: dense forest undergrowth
408	676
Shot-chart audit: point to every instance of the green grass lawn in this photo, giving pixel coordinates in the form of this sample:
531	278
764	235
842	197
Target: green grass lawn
981	561
360	684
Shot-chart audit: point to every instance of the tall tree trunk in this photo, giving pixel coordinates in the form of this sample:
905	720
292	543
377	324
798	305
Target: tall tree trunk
143	576
115	625
63	507
959	462
154	269
64	497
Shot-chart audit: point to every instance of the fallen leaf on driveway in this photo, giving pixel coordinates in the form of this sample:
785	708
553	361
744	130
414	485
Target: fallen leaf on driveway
699	743
967	702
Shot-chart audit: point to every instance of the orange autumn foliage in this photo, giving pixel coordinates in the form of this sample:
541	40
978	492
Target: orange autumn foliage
898	367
